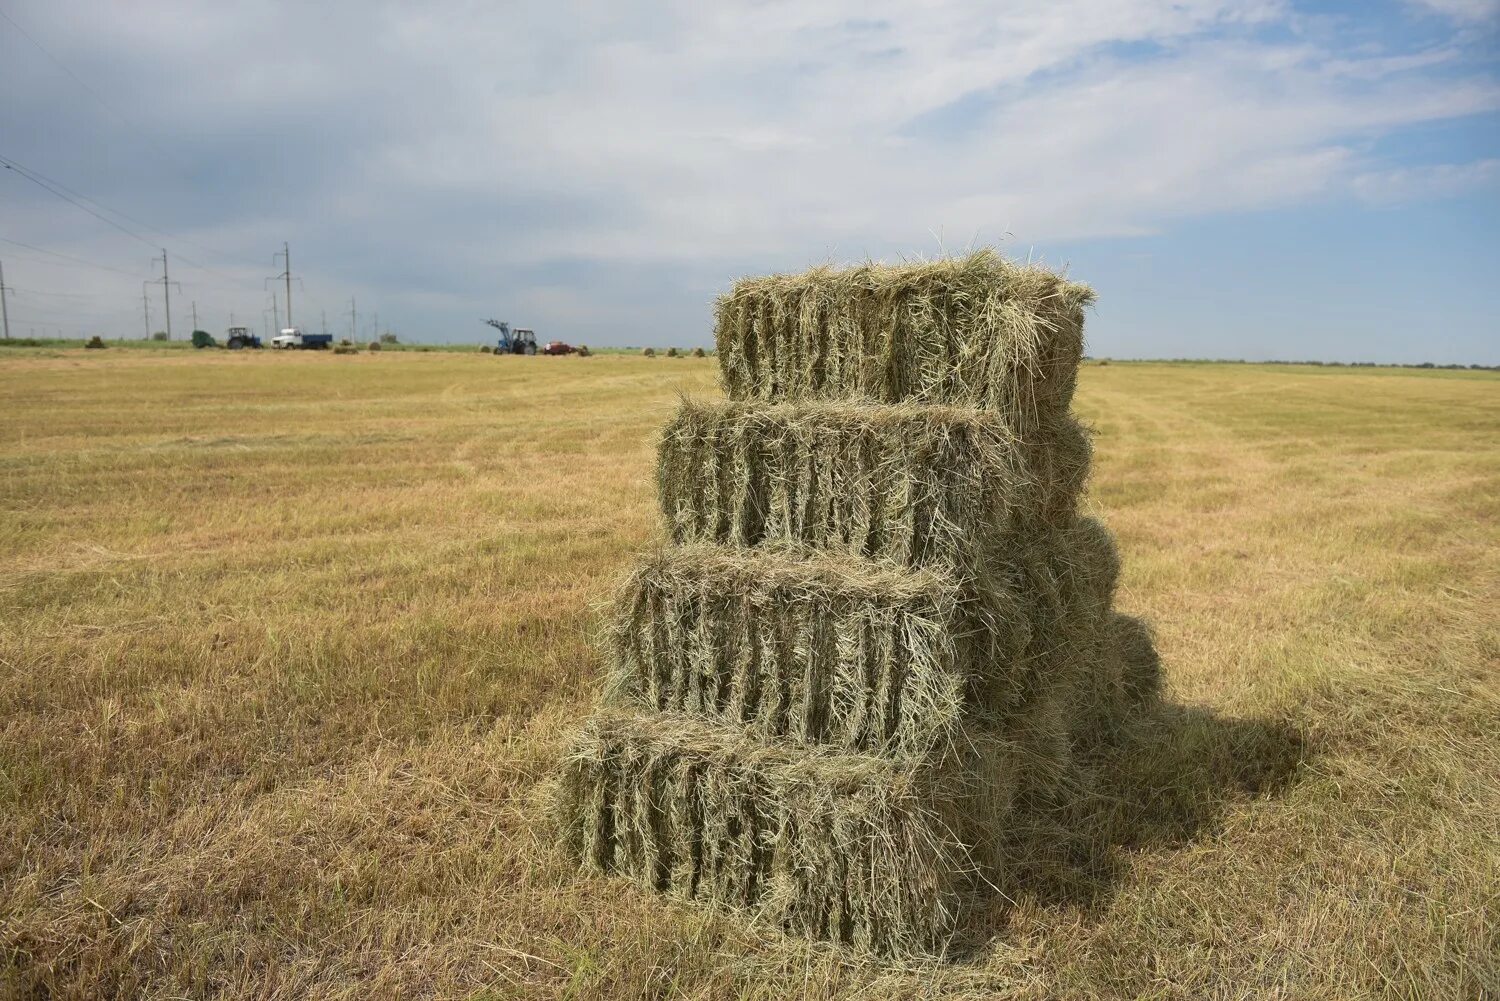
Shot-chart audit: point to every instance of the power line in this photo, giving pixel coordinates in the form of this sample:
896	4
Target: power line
73	197
23	172
80	81
67	257
4	313
64	295
286	257
166	287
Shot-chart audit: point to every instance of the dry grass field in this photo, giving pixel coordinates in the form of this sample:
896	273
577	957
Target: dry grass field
288	641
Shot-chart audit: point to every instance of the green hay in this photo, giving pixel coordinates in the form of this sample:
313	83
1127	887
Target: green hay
856	849
823	650
970	331
876	674
1140	665
918	485
1118	686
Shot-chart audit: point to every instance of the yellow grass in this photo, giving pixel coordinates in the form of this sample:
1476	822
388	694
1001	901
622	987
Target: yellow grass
288	641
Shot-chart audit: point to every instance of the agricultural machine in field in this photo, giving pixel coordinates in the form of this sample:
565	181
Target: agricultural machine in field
293	337
513	342
236	338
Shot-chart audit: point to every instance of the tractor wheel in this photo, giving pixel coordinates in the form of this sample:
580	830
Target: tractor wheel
531	349
235	343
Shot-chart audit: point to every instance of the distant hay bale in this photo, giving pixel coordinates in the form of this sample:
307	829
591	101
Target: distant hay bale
920	485
699	353
96	343
373	346
970	331
345	348
649	352
583	351
485	349
823	650
672	352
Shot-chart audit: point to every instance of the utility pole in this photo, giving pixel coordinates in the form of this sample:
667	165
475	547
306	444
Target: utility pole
353	321
376	325
195	314
276	313
166	289
286	274
146	308
325	321
4	313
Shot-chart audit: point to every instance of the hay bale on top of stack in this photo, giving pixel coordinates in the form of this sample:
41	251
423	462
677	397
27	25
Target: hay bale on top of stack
880	625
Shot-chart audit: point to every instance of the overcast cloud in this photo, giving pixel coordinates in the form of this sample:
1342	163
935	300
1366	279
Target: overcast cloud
600	171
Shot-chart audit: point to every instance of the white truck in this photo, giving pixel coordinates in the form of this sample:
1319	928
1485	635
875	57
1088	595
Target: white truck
293	337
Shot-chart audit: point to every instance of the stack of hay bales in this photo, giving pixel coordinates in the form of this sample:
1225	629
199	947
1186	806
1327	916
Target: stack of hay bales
881	631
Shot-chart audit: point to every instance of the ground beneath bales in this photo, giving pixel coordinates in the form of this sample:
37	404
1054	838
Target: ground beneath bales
287	643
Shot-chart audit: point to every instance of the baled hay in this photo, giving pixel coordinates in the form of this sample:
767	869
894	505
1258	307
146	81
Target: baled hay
1067	577
853	848
1140	665
917	485
970	331
823	650
1073	571
841	847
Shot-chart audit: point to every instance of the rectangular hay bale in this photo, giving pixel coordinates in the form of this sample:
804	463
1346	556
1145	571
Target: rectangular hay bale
856	849
917	485
824	650
971	331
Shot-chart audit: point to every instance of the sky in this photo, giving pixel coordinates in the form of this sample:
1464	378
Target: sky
1256	179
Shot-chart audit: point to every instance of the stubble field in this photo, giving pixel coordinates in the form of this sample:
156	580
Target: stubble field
287	643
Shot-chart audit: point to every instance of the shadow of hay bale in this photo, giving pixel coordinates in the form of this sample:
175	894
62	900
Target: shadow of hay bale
1169	782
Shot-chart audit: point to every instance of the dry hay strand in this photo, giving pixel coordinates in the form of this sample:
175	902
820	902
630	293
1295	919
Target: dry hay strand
1067	577
822	650
857	849
1140	664
1117	685
971	331
918	485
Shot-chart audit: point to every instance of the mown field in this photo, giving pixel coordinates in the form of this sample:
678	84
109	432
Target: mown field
287	643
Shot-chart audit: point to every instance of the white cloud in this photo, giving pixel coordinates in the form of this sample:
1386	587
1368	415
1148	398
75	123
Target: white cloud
1443	180
488	138
1465	11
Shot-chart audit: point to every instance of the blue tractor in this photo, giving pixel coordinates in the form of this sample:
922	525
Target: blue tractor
513	342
